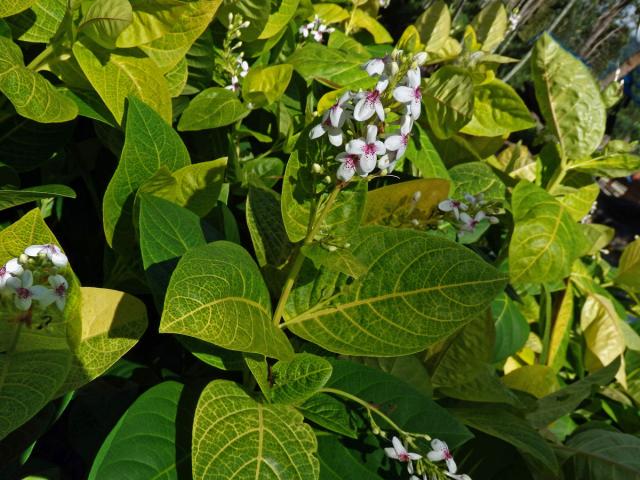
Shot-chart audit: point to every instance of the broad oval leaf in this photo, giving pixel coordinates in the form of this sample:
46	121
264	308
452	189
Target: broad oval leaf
434	26
476	178
297	379
15	6
612	165
264	85
448	100
40	23
217	294
146	441
236	437
418	289
119	74
362	19
568	97
149	144
545	240
512	329
278	20
31	94
212	108
105	20
13	198
490	25
330	66
629	266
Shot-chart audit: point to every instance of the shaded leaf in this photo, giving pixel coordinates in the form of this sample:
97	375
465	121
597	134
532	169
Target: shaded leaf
104	20
298	379
629	266
212	108
512	329
13	198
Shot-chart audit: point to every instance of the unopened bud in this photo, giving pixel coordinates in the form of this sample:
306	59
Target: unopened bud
375	430
327	180
245	24
420	58
316	168
417	196
332	248
347	245
393	67
415	222
230	17
23	259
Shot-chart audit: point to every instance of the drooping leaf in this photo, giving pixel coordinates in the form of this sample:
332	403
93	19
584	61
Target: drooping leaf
490	25
104	20
298	379
149	144
400	204
597	454
217	294
264	85
418	289
40	23
434	26
629	266
30	93
194	17
497	110
568	97
234	436
13	198
506	426
512	329
112	323
545	241
406	406
148	440
167	231
120	74
448	100
212	108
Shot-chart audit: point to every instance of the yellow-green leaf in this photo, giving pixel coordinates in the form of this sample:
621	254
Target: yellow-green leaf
279	19
629	266
12	7
363	20
491	25
538	380
105	20
434	26
264	85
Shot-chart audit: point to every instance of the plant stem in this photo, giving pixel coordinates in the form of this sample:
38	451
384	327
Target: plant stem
366	405
298	258
37	62
548	320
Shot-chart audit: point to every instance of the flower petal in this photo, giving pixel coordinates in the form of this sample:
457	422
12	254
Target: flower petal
14	267
367	163
451	465
335	136
364	110
439	445
393	142
317	131
374	66
372	133
345	172
382	84
34	250
391	453
22	303
413	77
403	94
379	109
27	279
335	113
435	455
414	456
415	108
399	447
355	147
59	259
380	148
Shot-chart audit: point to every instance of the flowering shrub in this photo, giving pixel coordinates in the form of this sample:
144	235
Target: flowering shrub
321	252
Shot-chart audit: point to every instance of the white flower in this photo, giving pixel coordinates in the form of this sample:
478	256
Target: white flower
9	270
338	113
475	199
58	294
367	150
399	452
26	291
469	223
411	93
454	206
441	452
51	251
235	84
370	102
375	66
420	58
349	163
398	143
244	67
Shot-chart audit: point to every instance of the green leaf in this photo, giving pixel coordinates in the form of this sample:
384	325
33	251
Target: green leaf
338	462
545	241
177	78
167	231
298	191
579	201
234	436
502	424
512	329
194	17
409	368
270	242
112	323
418	289
362	19
90	105
329	66
536	380
11	8
31	94
448	100
476	178
434	26
491	25
396	205
298	379
406	406
105	20
561	331
330	413
40	23
278	20
212	108
13	198
264	85
568	97
149	144
217	294
629	266
118	75
425	157
255	11
597	454
564	401
497	110
195	187
614	165
146	441
330	12
334	258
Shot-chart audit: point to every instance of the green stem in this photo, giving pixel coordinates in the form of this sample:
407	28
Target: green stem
298	258
548	320
368	406
44	55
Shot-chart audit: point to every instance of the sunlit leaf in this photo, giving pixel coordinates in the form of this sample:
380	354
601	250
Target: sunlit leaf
298	379
212	108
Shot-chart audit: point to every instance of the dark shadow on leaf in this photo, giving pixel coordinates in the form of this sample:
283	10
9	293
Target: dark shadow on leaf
184	426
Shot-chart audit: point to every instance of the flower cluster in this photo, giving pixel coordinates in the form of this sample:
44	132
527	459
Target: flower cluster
34	280
234	64
315	29
440	451
361	116
467	216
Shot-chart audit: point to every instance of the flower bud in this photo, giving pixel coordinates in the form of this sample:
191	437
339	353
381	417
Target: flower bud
332	248
393	67
420	58
245	24
23	259
230	17
317	168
